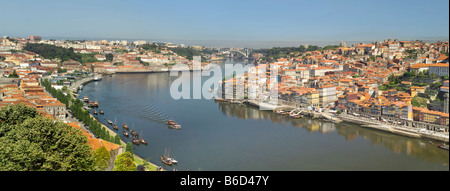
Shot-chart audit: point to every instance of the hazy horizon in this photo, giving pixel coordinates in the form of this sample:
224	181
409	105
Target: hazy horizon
250	23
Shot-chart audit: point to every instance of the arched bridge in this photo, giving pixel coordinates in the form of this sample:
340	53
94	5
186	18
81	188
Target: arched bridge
244	52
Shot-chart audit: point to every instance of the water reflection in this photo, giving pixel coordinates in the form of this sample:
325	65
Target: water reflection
402	145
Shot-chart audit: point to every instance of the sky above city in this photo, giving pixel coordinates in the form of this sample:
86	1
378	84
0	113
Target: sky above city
230	20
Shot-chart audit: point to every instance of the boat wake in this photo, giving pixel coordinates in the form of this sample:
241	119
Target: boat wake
150	112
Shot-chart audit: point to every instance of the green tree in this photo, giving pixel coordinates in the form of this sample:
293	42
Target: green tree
29	142
124	162
101	158
109	57
129	148
13	75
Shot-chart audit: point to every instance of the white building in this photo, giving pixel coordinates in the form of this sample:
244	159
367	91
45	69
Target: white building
438	69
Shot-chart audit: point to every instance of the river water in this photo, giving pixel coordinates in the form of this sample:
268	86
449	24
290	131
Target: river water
223	136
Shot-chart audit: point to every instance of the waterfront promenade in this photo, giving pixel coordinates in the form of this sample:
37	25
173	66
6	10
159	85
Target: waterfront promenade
364	122
396	129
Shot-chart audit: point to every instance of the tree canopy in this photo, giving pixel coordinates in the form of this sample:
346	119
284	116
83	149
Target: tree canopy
30	142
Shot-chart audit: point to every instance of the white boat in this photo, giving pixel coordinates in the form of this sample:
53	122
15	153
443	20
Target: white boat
97	78
173	161
80	87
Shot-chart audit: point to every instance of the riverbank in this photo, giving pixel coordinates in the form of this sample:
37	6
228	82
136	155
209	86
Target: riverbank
364	122
403	131
137	159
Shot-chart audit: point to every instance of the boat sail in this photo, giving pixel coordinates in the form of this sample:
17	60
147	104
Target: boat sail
166	159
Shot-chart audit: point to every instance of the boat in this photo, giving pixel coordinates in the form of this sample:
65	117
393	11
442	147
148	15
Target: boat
80	87
85	99
173	125
166	161
97	78
115	126
91	103
109	121
220	100
142	140
125	133
445	147
101	112
125	126
135	141
134	133
96	103
296	116
95	112
281	112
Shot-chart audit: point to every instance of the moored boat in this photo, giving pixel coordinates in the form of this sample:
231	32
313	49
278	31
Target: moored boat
96	103
166	161
95	112
115	127
445	147
135	141
109	121
142	140
125	126
134	133
101	111
125	133
85	99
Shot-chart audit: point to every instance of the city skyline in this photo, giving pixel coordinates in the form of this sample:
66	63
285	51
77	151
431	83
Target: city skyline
230	21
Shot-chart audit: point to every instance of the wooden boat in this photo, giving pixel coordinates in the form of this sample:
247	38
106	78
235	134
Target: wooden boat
166	161
445	147
86	99
115	126
134	133
173	125
135	141
296	116
91	103
125	133
95	112
125	126
142	140
220	100
96	103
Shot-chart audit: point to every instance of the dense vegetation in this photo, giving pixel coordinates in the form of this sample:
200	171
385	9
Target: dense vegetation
285	52
49	51
29	142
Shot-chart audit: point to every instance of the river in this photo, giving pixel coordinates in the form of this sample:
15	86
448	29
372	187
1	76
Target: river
223	136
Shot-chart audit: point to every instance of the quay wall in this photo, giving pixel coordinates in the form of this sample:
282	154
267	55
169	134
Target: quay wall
413	133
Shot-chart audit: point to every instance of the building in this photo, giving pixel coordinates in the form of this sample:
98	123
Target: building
438	69
327	94
434	117
34	38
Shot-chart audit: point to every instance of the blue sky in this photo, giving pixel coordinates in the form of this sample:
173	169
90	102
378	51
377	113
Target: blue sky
244	20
